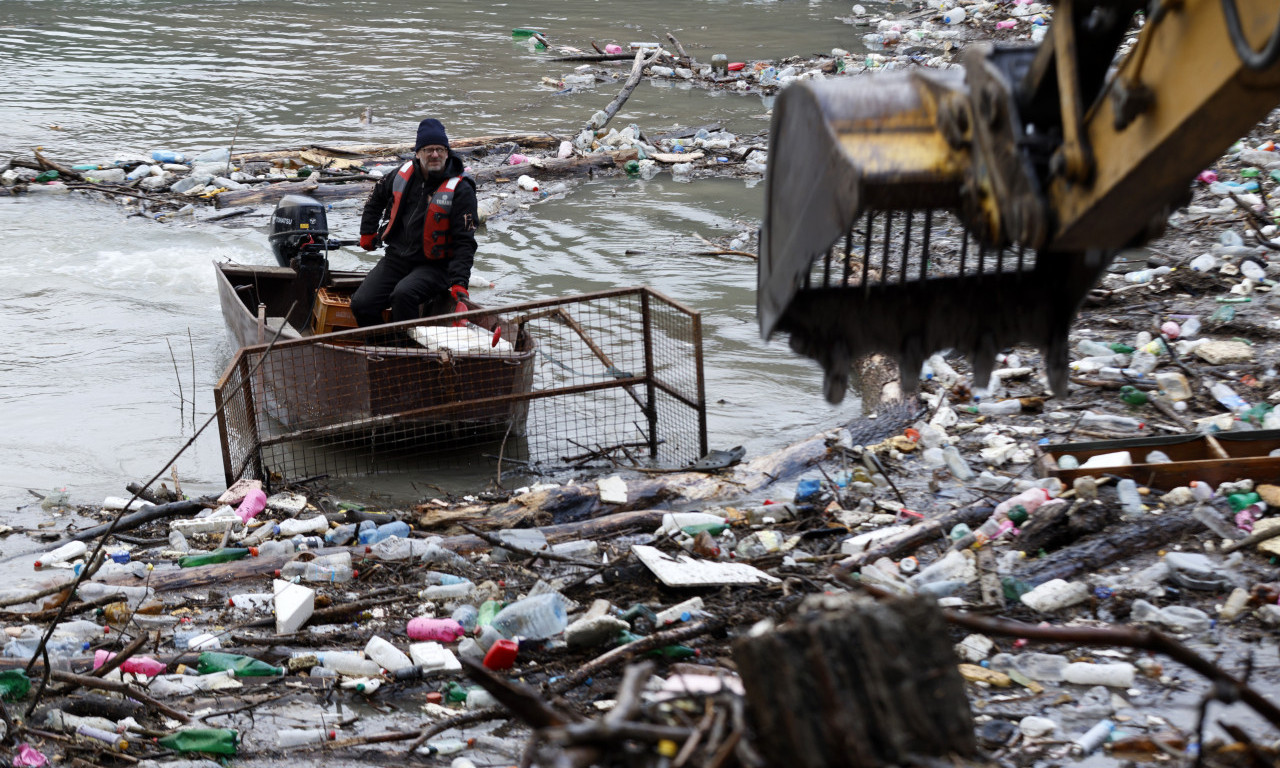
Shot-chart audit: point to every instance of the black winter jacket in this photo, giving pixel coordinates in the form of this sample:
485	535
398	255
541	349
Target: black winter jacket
404	241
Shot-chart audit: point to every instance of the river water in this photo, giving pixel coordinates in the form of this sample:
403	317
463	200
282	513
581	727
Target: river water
114	336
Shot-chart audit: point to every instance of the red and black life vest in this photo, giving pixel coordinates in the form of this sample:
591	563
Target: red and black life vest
435	231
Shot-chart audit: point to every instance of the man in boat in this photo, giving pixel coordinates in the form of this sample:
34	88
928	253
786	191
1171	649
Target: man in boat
429	210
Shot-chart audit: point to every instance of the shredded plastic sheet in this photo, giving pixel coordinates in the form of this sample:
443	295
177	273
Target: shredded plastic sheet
685	571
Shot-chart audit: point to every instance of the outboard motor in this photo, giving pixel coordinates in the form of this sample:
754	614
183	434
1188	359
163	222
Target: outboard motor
300	240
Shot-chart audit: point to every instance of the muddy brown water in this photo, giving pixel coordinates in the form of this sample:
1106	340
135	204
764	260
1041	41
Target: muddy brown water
114	332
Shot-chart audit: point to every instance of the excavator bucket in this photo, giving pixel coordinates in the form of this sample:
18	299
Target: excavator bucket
865	249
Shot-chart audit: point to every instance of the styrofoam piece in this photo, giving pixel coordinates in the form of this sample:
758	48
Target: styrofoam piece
236	493
613	490
287	503
119	502
294	605
202	525
433	656
685	571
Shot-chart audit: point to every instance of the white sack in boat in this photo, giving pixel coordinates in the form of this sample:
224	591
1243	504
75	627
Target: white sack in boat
467	338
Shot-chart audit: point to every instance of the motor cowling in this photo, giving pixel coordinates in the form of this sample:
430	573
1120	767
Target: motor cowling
298	221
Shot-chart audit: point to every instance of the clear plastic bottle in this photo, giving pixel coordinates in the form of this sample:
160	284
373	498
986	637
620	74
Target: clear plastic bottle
69	551
1130	499
447	591
1146	275
276	548
318	524
1000	407
341	535
384	531
1091	348
134	596
349	663
466	615
1044	667
956	463
1106	421
296	737
535	618
1226	396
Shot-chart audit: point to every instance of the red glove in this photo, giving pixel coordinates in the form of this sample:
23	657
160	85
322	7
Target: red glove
366	242
458	289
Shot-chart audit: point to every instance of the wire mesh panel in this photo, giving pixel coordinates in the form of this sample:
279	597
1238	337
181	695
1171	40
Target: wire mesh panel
612	378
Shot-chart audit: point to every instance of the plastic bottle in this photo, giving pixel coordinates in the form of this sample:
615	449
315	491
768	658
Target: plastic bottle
441	630
223	555
217	741
135	665
240	666
14	684
134	596
386	655
535	618
1146	275
954	16
276	548
956	463
185	685
296	737
254	502
340	535
1226	396
1093	738
1030	500
333	574
1118	675
68	723
62	554
1130	500
1044	667
488	609
466	616
168	156
1105	421
998	407
1091	348
385	531
348	663
318	524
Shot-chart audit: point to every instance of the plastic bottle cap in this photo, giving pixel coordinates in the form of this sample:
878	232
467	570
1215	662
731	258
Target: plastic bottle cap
253	551
277	573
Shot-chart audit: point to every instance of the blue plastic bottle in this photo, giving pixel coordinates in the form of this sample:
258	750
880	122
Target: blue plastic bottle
168	156
385	531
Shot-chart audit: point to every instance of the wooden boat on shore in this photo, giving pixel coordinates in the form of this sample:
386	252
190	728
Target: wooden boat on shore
325	378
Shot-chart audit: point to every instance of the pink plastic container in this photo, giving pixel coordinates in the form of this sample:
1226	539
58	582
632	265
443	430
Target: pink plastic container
612	48
440	630
1007	24
138	665
517	159
254	502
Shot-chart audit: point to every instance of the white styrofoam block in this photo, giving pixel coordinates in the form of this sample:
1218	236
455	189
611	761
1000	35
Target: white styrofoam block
433	656
294	605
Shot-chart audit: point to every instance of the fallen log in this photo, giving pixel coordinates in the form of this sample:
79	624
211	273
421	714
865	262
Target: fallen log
918	536
637	69
1109	546
532	140
270	193
555	166
137	519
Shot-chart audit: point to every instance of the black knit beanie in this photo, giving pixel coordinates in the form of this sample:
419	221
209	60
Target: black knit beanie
431	133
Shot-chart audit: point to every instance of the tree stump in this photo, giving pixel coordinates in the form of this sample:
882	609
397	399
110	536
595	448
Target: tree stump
850	681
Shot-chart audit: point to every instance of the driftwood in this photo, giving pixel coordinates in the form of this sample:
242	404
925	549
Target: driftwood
270	193
637	69
122	688
870	683
918	536
533	140
1109	546
137	519
556	166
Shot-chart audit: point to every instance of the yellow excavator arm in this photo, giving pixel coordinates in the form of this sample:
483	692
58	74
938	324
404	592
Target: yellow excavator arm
912	212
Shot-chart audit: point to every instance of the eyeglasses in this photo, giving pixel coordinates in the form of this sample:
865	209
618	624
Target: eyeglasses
434	151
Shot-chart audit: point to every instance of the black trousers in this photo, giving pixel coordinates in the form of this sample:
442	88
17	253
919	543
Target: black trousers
401	285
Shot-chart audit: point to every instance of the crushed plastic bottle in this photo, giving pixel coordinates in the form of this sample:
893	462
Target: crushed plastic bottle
535	618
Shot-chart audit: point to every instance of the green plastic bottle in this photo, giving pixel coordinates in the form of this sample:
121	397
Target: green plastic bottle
455	692
488	609
46	176
1132	395
224	555
1121	349
715	529
242	666
1239	501
218	741
14	684
666	651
